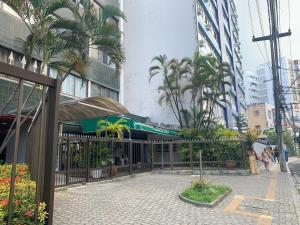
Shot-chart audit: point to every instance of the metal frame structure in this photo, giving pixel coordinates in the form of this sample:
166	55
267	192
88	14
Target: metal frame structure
40	157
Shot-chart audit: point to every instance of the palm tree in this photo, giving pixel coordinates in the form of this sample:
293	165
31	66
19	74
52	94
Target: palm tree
62	42
171	71
113	128
207	85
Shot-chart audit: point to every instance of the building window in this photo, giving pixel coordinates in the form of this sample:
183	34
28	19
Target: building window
256	113
68	86
80	88
95	90
74	86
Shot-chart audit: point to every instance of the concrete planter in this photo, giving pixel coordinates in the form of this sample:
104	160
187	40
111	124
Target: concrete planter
202	204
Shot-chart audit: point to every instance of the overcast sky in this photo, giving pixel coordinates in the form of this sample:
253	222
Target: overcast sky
251	54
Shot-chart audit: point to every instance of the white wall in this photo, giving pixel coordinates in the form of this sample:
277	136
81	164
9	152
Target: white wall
154	27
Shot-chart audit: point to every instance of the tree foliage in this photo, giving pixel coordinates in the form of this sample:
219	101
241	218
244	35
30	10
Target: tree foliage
203	79
63	42
241	123
113	129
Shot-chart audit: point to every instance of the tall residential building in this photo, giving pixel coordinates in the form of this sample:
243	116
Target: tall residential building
251	88
178	28
294	69
265	80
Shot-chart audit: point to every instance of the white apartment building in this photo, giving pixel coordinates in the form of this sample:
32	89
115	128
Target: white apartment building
251	88
177	28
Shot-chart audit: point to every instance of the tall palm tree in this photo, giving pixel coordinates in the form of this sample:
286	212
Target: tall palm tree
207	85
171	71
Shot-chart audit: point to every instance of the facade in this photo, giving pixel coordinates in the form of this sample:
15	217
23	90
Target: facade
265	80
294	70
154	27
100	79
260	116
251	88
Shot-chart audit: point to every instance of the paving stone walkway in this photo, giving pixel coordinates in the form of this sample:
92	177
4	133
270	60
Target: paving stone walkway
153	199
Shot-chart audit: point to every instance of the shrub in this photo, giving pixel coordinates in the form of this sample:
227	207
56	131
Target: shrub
198	183
205	192
24	197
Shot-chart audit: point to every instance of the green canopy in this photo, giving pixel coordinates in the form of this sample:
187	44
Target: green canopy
90	126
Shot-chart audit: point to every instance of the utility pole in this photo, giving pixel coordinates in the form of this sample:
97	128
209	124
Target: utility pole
274	39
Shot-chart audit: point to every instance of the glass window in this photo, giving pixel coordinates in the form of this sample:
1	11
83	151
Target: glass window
114	95
80	88
68	86
52	73
95	89
105	92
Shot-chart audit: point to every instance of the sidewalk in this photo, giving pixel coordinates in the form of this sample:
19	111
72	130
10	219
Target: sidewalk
153	199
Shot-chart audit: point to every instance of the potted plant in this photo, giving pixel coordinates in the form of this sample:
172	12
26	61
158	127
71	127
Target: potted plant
99	159
113	130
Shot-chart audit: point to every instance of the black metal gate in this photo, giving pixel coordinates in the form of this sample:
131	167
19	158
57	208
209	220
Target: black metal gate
33	102
83	159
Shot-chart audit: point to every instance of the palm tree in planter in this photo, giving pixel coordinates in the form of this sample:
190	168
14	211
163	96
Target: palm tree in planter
100	159
113	130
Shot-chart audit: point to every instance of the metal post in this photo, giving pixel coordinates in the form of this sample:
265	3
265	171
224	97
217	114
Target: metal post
68	161
15	154
171	155
112	155
88	155
130	157
191	154
200	165
152	156
142	156
162	155
51	149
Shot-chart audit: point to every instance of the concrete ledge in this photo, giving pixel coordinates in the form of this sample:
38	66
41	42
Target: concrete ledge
205	172
202	204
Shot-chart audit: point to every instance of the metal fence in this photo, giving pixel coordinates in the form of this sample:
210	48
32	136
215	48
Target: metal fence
83	159
184	154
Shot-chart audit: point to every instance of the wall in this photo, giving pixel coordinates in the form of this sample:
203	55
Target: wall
154	27
264	118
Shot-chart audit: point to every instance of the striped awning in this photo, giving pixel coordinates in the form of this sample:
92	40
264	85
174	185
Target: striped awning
90	108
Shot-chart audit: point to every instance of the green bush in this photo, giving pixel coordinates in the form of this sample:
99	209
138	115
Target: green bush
205	192
24	197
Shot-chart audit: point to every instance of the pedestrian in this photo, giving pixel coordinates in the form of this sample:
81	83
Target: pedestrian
253	157
266	159
276	154
271	153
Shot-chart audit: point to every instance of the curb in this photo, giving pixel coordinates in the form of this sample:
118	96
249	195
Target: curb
295	195
202	204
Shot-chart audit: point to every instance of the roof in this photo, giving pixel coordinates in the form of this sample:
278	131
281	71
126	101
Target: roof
90	108
90	126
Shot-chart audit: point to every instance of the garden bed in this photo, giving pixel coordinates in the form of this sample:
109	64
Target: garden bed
204	194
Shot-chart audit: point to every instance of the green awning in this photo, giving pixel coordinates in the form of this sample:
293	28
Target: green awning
90	126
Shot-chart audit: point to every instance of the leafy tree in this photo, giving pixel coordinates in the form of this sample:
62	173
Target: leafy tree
241	123
172	72
287	139
113	129
63	42
207	84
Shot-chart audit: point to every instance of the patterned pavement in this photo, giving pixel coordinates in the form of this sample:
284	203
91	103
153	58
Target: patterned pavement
153	199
